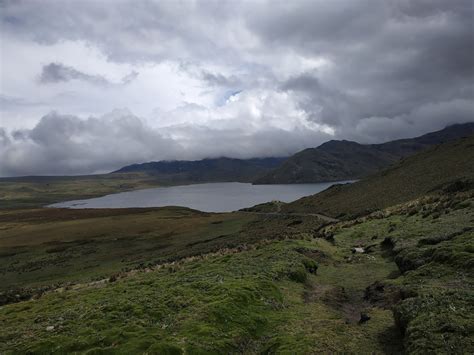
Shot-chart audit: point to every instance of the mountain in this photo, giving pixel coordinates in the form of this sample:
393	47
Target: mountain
346	160
446	166
206	170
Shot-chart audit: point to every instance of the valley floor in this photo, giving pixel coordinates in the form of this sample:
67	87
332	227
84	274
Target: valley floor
174	280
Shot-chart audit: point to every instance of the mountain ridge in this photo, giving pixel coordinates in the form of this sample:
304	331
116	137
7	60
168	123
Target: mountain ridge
221	169
445	166
338	160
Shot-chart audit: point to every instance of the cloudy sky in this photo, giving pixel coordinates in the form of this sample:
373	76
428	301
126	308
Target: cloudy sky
90	86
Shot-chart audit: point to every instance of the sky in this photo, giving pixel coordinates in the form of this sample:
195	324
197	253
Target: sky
90	86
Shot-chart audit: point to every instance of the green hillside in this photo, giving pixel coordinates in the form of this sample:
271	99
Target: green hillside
448	166
289	290
38	191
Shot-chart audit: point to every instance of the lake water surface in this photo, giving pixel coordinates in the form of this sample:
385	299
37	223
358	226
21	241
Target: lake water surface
212	197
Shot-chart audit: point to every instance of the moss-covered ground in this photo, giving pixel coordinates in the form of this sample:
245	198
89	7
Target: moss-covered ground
398	280
44	247
255	300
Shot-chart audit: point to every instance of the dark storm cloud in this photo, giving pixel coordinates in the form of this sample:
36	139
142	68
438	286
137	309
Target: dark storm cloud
323	104
65	144
369	70
127	79
4	139
388	60
217	79
53	73
127	31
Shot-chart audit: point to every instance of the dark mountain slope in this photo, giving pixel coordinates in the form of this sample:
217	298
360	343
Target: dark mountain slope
435	168
207	170
345	160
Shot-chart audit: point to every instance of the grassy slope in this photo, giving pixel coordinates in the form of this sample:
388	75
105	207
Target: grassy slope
432	243
341	160
249	301
28	192
49	246
406	180
266	297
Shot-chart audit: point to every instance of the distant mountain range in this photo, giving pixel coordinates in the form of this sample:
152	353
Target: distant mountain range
332	161
346	160
207	170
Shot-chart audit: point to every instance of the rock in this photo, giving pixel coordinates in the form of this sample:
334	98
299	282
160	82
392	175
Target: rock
358	250
50	328
364	318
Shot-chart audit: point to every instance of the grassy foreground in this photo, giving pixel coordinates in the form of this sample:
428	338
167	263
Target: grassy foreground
247	301
45	248
398	280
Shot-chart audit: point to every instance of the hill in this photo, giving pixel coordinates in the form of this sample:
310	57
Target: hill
345	160
37	191
429	170
178	281
206	170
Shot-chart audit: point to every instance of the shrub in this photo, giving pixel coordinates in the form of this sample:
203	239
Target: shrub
310	265
409	260
298	274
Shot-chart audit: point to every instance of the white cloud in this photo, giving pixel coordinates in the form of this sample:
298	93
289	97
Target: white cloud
251	124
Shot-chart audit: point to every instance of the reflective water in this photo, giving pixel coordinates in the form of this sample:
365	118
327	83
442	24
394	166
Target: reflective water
212	197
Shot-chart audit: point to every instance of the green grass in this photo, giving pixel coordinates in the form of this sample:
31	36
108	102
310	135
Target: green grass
244	302
43	247
28	192
241	283
435	256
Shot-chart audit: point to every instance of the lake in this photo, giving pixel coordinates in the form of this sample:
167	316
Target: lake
211	197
